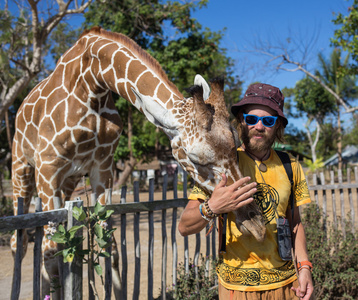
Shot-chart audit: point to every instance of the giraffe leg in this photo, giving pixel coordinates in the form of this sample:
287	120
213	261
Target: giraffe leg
51	277
47	190
23	183
100	181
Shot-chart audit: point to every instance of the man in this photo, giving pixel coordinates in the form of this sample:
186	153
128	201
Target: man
249	269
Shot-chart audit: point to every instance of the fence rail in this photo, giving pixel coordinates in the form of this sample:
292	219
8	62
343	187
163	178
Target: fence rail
335	193
72	284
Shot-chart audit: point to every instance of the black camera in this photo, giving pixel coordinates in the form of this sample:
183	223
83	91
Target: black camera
284	239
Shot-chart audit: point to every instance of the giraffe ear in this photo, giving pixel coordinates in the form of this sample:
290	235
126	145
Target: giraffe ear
217	99
199	80
202	112
156	114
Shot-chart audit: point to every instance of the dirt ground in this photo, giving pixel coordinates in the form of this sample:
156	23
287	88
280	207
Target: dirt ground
6	261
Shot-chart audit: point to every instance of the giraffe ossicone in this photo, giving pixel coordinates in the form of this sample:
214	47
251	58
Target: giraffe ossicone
68	126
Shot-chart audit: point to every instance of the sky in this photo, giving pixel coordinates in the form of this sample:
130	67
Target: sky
248	21
308	22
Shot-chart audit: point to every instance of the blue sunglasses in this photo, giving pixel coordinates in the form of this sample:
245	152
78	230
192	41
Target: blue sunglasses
267	121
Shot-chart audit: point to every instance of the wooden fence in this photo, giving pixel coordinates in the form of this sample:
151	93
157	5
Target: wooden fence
336	193
72	273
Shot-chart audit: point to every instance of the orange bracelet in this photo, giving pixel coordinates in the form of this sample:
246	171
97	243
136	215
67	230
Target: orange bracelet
304	264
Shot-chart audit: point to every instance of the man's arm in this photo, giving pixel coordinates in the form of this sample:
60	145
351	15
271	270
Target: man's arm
223	199
305	289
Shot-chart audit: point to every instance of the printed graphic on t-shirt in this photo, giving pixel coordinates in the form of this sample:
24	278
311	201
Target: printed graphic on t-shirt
265	196
255	276
301	192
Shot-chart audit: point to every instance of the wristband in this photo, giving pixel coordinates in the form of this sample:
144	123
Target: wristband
304	264
203	214
210	213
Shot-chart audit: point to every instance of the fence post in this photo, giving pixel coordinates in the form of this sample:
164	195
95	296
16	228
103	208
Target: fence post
150	241
164	241
350	197
124	246
335	224
108	281
16	279
37	254
137	256
341	195
173	232
72	272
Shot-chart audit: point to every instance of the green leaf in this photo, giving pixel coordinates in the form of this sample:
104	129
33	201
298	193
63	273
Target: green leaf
98	231
102	243
98	269
59	238
99	209
61	229
74	229
78	213
104	254
58	253
109	213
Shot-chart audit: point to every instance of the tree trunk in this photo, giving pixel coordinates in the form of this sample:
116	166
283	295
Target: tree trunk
131	162
339	140
128	169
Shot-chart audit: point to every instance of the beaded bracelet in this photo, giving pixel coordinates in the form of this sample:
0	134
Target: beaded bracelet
203	213
210	213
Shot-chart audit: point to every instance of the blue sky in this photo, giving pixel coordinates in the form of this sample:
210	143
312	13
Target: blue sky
247	21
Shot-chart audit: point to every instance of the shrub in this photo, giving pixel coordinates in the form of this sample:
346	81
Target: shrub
198	283
6	208
334	257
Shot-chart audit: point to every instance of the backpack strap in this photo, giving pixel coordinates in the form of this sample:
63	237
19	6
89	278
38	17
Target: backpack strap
286	161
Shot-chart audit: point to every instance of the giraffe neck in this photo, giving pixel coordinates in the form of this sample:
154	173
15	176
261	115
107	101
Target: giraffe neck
114	62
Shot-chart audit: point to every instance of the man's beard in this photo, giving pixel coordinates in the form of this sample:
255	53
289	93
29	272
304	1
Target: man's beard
264	144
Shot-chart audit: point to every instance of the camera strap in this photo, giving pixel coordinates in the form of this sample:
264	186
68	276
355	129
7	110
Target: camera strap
286	161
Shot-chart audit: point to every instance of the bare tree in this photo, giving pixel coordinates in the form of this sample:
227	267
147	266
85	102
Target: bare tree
38	19
292	55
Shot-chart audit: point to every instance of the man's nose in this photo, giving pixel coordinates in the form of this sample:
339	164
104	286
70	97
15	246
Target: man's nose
259	125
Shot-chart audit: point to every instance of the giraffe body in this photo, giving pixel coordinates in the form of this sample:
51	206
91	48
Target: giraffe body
68	126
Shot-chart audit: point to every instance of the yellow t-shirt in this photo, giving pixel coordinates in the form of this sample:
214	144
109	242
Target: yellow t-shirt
248	265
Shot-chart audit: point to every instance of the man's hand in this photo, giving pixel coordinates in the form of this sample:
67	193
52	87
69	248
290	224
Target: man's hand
305	288
229	198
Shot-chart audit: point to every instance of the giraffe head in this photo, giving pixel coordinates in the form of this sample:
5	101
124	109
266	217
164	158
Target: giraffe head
204	143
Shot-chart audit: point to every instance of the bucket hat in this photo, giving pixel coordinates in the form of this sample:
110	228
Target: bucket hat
262	94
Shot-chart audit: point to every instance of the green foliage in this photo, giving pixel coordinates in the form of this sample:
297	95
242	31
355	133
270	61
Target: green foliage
346	36
312	99
351	135
62	38
198	283
95	222
6	208
327	145
334	257
314	166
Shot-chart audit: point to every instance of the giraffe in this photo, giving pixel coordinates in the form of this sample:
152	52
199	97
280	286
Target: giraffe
68	127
